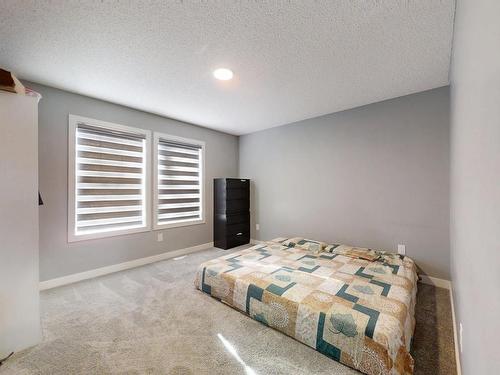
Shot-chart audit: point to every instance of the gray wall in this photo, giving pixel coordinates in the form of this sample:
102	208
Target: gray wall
475	182
19	297
57	256
373	176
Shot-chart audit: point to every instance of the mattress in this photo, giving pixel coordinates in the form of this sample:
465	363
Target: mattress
357	311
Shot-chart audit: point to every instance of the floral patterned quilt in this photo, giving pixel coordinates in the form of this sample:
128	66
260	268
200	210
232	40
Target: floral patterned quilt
356	311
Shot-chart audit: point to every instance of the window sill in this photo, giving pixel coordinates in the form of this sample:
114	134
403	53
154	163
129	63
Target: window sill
94	236
179	224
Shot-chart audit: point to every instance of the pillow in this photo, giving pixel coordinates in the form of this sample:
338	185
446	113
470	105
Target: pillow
305	244
279	239
390	258
353	252
331	248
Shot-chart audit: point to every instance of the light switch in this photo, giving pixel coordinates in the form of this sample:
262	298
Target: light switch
160	237
460	338
401	249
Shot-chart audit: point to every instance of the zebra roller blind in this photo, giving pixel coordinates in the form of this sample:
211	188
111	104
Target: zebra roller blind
179	192
109	180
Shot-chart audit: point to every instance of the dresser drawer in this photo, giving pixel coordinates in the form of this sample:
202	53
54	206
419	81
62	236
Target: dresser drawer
231	206
232	194
234	183
238	218
241	229
237	205
237	241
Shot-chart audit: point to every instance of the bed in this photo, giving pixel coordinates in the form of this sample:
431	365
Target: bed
354	305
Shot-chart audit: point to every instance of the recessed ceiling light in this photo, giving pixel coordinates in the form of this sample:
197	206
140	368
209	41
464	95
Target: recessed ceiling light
223	74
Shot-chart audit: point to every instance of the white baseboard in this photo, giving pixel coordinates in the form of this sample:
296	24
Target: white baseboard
441	283
455	334
60	281
253	241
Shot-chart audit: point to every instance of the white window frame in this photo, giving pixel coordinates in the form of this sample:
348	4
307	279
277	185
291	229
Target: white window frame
168	137
74	120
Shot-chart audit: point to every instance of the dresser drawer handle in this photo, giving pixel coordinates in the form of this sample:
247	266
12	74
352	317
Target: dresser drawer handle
243	180
239	234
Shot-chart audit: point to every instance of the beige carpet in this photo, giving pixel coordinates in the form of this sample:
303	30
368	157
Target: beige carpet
151	320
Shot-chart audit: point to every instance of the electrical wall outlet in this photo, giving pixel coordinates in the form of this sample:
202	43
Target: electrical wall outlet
460	337
257	226
401	249
160	237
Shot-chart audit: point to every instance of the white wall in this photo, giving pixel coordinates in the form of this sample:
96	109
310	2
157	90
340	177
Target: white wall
372	176
19	299
475	182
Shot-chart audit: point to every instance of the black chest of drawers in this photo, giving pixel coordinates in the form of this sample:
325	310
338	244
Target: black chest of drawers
231	212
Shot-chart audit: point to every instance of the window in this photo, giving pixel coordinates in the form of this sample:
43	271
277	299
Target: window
178	181
108	179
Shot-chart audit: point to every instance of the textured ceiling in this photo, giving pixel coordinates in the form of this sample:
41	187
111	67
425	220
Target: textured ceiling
292	59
